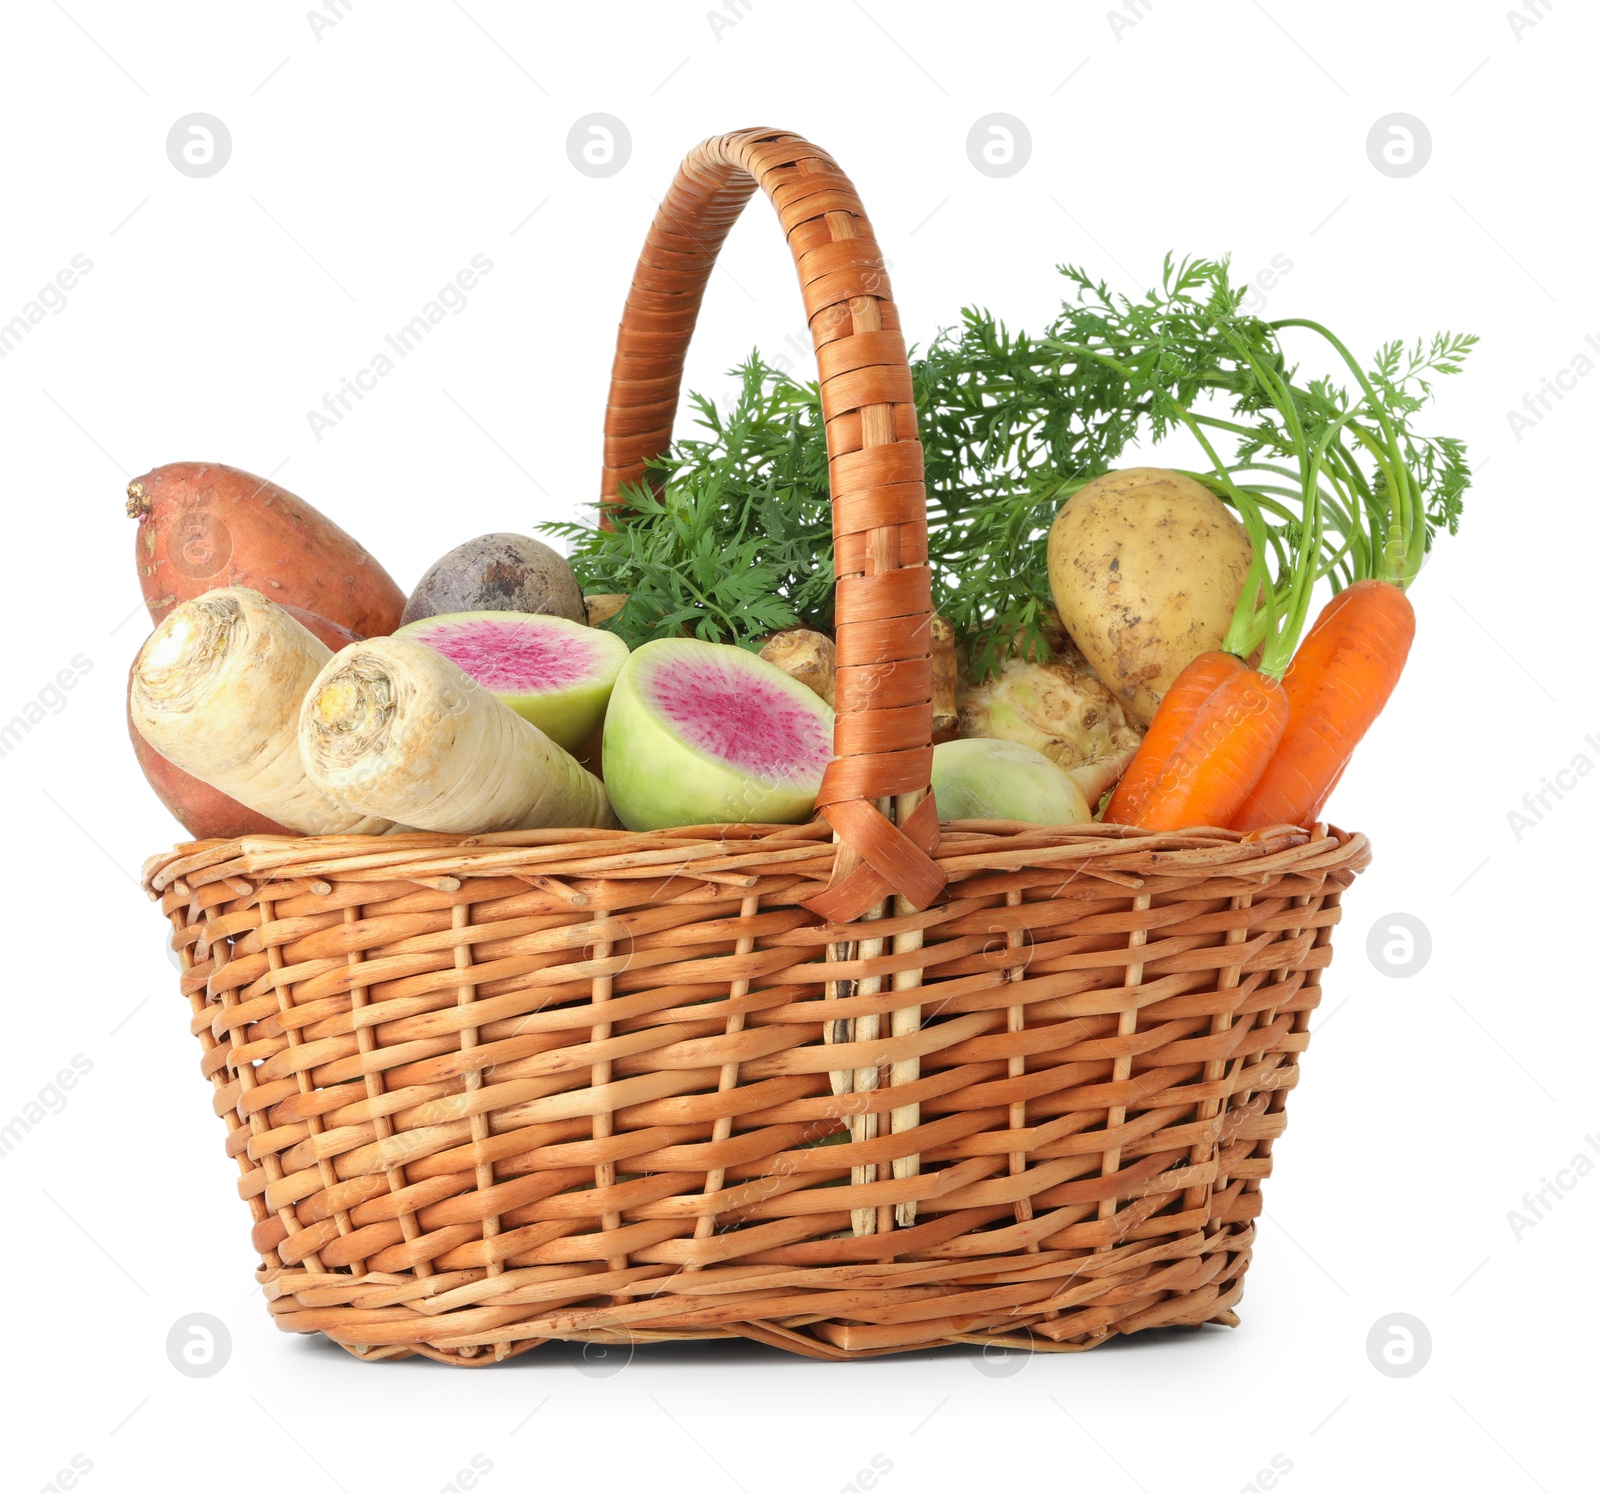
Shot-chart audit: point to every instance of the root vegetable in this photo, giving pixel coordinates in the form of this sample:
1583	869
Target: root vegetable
1341	677
705	733
203	526
497	573
391	727
806	656
602	606
946	668
978	779
1219	758
810	657
1179	707
217	690
1060	709
206	812
1146	567
1235	730
551	670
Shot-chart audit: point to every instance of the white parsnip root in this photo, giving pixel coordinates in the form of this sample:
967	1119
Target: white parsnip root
390	727
217	690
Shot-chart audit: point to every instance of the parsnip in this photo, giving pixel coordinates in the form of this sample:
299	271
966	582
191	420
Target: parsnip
217	689
391	727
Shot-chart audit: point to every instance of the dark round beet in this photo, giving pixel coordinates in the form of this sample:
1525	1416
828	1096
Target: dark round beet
497	573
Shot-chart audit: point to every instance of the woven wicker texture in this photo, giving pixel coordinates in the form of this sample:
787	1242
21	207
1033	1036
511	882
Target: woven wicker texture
481	1095
846	1088
883	734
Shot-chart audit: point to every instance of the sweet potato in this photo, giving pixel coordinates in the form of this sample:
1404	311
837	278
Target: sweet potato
203	526
207	812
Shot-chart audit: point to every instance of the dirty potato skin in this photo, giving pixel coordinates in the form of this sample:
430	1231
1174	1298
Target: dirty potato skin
203	526
1146	567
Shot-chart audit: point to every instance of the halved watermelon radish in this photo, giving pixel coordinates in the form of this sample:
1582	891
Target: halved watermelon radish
703	733
550	670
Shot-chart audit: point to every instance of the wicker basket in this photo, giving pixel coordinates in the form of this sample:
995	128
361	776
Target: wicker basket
863	1085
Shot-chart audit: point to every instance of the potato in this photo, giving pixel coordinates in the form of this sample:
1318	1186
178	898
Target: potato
1146	567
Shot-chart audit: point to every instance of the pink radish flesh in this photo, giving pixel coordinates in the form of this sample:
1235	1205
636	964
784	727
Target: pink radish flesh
740	720
512	658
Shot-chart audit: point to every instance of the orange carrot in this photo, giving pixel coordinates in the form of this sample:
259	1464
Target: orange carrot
1216	763
1178	708
1341	677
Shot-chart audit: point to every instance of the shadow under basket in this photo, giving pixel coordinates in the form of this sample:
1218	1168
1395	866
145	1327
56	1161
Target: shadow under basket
549	1085
862	1085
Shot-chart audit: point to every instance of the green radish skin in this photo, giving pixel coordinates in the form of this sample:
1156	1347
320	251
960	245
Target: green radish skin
391	727
980	778
704	733
556	673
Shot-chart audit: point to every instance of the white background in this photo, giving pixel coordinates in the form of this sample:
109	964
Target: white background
369	164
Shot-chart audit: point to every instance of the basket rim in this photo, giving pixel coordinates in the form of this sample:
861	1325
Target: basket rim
807	851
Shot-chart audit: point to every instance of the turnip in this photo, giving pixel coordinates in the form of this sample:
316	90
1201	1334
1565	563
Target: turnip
216	690
550	670
704	733
392	727
977	779
1146	567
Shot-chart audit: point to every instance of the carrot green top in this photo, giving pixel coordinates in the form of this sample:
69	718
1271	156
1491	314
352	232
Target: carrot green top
731	537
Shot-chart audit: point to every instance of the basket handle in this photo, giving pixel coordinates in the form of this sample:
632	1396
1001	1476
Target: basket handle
883	728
